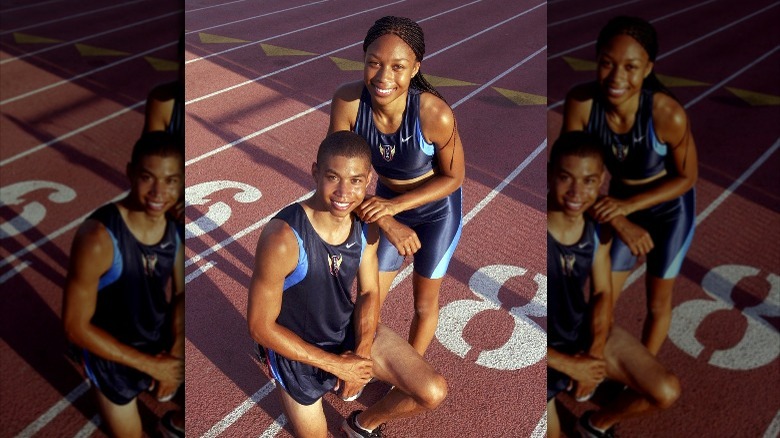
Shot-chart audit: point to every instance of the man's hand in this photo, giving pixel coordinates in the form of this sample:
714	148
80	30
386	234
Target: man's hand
588	372
167	369
353	370
403	238
635	237
166	389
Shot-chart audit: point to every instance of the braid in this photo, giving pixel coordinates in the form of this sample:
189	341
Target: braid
412	34
644	33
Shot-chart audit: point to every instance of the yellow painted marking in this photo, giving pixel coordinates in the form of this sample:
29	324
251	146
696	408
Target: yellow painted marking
207	38
162	64
521	98
754	98
671	81
86	50
347	64
438	81
282	51
23	38
580	64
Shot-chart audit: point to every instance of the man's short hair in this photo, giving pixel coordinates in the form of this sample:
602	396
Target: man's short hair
158	143
344	144
578	144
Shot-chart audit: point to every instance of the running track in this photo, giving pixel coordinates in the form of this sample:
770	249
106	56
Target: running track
74	77
259	84
722	61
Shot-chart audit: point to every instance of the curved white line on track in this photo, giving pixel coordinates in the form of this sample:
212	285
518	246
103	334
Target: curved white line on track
541	427
256	16
55	410
689	43
773	431
85	74
71	133
70	17
292	32
84	38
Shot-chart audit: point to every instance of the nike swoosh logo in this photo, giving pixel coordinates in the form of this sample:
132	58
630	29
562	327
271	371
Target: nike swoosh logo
165	245
351	244
404	140
637	140
582	245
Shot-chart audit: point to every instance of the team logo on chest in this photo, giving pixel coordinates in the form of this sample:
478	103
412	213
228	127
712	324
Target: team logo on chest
150	262
387	151
620	151
334	263
567	263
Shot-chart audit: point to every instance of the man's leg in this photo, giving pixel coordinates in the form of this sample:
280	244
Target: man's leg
124	421
307	421
650	385
659	312
418	387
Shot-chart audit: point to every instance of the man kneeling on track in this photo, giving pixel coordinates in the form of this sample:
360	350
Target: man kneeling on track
583	348
115	305
313	337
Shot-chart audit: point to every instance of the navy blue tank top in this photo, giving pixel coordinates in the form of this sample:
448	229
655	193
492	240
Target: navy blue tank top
568	268
132	303
317	300
403	154
636	154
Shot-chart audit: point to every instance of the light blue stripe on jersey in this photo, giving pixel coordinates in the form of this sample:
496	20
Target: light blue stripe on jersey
303	265
115	270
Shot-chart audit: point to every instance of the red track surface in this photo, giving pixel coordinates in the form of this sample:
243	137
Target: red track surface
74	78
724	341
285	110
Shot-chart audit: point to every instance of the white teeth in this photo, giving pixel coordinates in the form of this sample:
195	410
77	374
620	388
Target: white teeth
384	91
341	205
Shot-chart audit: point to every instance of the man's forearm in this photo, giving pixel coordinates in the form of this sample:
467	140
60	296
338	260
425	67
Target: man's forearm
366	318
177	349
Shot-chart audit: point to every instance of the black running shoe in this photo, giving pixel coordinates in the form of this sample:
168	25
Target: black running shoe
587	431
351	429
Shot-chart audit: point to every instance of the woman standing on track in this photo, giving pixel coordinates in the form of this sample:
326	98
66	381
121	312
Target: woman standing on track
651	156
417	153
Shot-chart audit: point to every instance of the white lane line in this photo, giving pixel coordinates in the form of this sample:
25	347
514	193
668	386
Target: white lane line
85	74
45	239
596	12
89	428
239	411
275	427
34	5
213	6
55	410
255	16
686	45
16	269
87	37
69	17
291	32
71	133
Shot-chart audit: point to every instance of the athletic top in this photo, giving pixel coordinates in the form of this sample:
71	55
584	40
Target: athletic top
403	154
636	154
176	126
317	300
568	268
131	303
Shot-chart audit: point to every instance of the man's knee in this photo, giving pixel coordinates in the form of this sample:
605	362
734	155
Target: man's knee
434	392
667	391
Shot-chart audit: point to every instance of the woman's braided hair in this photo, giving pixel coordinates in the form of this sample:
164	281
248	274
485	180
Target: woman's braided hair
412	34
644	33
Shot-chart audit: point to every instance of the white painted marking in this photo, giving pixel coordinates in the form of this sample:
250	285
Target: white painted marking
89	428
69	17
275	427
253	17
16	269
596	12
55	410
773	431
239	411
541	428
